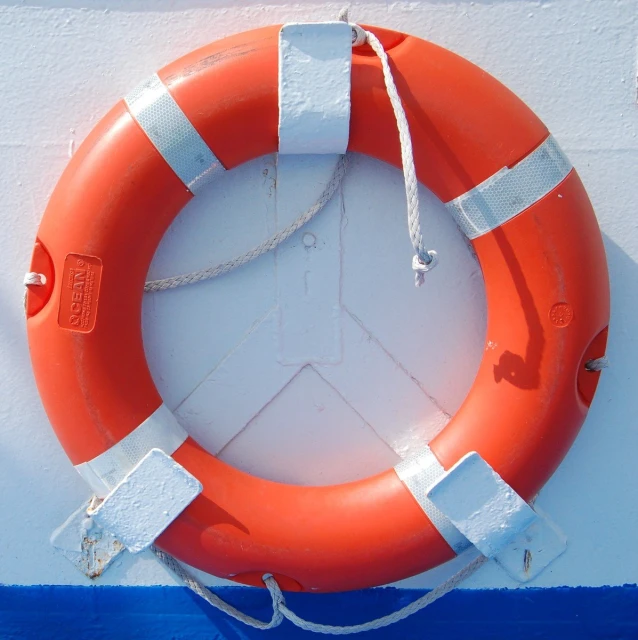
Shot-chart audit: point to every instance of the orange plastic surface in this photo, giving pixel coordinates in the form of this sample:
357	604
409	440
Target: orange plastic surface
542	270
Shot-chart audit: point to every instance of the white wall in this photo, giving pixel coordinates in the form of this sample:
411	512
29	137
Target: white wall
385	362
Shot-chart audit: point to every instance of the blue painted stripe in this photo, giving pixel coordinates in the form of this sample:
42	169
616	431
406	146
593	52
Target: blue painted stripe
162	613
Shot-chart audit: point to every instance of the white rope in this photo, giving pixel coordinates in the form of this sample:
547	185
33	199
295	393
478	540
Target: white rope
195	585
597	364
264	247
342	16
33	279
422	261
281	610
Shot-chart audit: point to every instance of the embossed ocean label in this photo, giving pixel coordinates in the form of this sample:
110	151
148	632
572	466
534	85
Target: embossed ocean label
80	290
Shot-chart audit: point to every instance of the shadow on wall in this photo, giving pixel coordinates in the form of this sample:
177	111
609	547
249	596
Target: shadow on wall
622	348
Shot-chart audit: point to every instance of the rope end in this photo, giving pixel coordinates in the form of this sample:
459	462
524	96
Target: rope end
421	266
359	35
597	364
342	16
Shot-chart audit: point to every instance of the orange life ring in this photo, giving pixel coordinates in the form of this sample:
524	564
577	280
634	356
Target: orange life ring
546	283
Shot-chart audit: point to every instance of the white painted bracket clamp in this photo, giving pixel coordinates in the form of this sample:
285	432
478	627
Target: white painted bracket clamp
149	498
495	519
315	61
132	516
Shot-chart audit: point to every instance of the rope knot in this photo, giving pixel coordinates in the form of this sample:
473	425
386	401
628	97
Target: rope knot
421	266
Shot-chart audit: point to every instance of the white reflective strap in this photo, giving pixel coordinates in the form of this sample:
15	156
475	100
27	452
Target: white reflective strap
315	60
172	134
419	473
510	191
159	431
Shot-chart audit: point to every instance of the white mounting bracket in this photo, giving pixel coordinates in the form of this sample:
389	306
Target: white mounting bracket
495	519
132	516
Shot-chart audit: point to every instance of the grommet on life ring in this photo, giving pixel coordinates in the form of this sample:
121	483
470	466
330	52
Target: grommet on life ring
477	147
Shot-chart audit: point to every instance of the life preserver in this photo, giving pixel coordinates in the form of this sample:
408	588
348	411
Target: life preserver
545	276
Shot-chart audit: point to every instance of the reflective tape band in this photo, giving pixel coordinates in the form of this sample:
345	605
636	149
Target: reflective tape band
510	191
419	473
172	134
159	431
315	60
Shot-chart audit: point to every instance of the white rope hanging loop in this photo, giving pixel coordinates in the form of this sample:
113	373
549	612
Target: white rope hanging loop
423	259
281	610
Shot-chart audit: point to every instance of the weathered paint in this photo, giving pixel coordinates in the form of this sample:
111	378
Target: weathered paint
85	544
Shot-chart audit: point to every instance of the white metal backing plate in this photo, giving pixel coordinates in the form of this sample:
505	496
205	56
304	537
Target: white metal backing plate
85	544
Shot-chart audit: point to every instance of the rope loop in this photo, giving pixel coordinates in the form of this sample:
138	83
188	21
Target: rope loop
278	601
266	246
281	610
33	279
